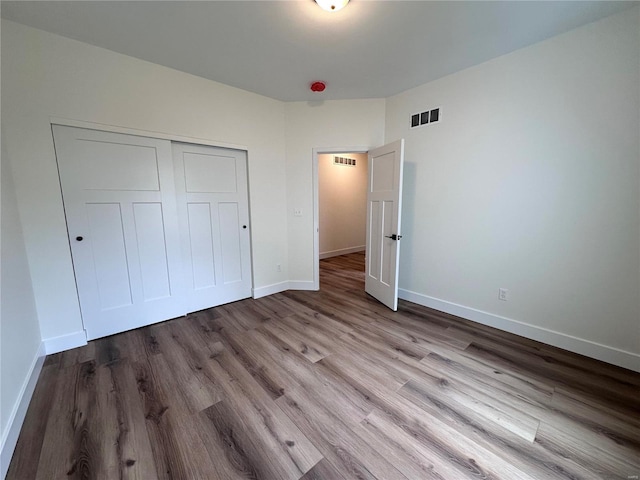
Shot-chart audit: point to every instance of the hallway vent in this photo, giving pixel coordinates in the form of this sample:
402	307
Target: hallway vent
349	162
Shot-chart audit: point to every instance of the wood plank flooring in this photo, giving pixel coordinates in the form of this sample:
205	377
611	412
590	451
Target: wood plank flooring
328	385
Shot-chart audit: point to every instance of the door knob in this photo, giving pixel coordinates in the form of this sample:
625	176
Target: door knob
244	226
79	239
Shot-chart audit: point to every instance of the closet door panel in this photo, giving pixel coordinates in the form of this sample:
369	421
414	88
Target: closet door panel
120	204
213	207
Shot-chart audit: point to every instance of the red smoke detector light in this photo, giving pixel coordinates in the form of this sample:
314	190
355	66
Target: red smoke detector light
318	86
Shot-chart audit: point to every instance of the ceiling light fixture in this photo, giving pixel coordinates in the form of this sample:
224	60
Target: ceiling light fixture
332	5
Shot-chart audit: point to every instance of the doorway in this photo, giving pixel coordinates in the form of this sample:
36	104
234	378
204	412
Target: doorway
342	196
383	217
333	218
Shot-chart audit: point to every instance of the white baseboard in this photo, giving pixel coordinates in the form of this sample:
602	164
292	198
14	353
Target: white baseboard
282	287
588	348
342	251
301	285
270	289
16	419
65	342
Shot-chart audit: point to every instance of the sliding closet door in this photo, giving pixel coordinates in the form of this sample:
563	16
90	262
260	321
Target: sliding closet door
120	203
213	212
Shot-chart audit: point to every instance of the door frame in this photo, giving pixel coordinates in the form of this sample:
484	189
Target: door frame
68	122
316	203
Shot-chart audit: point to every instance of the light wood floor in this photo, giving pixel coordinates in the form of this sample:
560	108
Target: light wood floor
328	385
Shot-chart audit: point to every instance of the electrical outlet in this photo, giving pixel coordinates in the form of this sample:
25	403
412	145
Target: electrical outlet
503	294
297	212
278	268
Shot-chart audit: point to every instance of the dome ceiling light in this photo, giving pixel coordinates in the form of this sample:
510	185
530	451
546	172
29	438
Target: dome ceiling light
332	5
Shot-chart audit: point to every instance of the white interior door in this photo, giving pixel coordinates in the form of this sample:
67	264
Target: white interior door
384	203
120	204
213	211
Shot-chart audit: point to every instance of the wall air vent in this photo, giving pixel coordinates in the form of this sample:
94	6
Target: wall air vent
425	118
349	162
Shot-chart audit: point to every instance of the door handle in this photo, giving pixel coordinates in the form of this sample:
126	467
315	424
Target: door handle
79	239
394	236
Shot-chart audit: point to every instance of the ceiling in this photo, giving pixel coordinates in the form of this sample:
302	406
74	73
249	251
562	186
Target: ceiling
369	49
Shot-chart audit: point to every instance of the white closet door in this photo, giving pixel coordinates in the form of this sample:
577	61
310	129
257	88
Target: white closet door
120	204
213	212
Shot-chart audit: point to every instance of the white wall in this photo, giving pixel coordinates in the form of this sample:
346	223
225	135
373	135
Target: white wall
343	204
20	342
45	75
532	182
309	125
